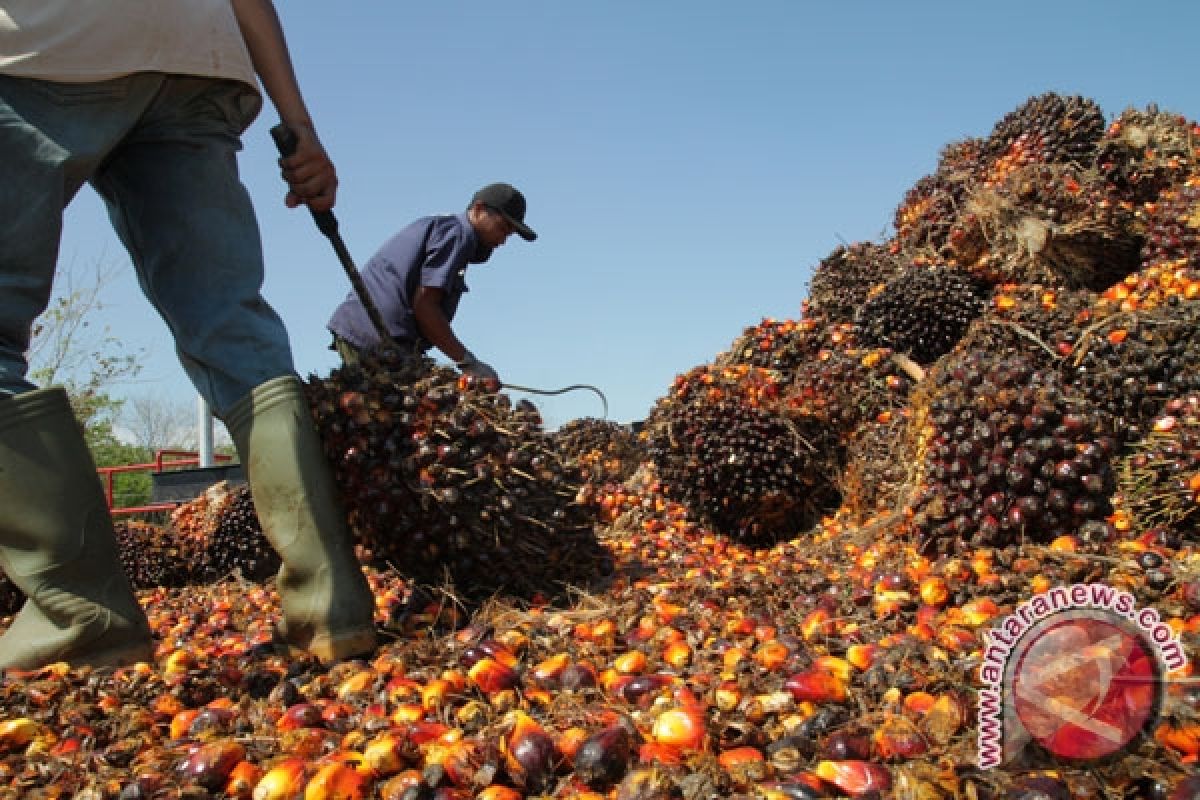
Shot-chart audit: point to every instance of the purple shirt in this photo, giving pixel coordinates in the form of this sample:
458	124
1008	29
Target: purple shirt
433	252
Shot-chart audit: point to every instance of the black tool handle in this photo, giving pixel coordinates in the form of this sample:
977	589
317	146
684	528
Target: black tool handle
285	140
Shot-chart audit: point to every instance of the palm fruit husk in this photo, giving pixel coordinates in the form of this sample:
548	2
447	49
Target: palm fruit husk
602	450
445	480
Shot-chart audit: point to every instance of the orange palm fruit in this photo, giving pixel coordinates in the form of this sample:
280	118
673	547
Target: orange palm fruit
677	654
18	732
283	781
337	781
679	727
818	686
499	793
854	777
548	671
383	755
242	780
489	675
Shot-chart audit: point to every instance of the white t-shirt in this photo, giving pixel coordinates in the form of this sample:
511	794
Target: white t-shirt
80	41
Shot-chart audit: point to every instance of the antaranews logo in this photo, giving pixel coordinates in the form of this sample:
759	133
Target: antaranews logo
1078	670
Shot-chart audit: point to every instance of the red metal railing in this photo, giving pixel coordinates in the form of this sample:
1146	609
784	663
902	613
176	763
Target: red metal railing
163	460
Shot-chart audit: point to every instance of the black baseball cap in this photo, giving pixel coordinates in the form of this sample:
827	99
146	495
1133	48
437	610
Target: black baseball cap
510	203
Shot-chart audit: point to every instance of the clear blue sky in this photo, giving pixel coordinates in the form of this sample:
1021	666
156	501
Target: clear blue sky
686	164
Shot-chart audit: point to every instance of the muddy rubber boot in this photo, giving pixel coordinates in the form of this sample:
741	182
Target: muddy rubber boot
328	607
57	544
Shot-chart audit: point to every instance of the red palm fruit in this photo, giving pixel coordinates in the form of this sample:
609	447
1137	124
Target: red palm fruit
489	675
283	781
337	781
210	764
816	686
529	752
242	780
745	765
181	723
300	715
677	653
421	732
666	754
632	662
862	656
548	671
680	727
898	738
604	757
771	655
854	777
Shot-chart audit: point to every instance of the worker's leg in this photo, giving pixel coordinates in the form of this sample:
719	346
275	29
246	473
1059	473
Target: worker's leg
175	196
56	537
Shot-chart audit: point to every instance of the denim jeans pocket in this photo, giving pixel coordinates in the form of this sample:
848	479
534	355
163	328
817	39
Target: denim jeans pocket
235	102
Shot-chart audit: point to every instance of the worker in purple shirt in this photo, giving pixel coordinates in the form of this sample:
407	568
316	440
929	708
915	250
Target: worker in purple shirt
417	278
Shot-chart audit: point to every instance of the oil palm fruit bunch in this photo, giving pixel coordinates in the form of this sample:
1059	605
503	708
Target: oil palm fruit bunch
927	214
1012	455
152	555
844	386
1158	479
1128	365
443	478
773	344
1173	227
1056	223
922	312
236	544
1031	321
725	452
1047	129
845	278
602	450
1146	151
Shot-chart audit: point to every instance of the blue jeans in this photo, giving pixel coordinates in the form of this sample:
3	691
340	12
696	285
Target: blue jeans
161	150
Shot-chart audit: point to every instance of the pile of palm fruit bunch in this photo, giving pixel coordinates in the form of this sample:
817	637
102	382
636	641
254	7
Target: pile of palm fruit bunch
838	655
602	450
214	536
449	482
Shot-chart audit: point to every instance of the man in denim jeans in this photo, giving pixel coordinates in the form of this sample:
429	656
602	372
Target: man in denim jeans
146	101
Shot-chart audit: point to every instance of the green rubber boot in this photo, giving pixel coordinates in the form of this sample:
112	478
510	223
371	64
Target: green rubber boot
328	607
57	545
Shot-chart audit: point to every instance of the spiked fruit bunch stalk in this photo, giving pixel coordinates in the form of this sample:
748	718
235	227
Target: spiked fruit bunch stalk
442	477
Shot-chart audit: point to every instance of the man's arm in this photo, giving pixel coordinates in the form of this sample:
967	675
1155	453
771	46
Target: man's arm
427	310
309	172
